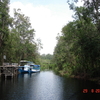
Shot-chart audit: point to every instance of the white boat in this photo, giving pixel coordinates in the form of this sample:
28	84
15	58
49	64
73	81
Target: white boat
28	67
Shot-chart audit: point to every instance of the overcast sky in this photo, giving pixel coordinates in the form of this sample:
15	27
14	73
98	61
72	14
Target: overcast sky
47	18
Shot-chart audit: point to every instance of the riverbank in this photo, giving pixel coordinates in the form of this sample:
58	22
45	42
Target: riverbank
80	76
93	79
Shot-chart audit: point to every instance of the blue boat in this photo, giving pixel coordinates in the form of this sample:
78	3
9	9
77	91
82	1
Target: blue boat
28	67
34	68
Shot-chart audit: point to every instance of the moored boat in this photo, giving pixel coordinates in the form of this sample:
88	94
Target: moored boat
28	67
34	68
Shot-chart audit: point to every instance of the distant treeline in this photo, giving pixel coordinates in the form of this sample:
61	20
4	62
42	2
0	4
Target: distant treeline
47	56
78	49
46	61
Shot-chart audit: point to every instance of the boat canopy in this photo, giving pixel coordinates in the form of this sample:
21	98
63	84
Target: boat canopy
24	62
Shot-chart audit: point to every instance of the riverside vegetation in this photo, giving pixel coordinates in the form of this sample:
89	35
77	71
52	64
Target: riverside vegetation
17	36
77	52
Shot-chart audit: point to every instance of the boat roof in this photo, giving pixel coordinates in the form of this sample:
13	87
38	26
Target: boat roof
24	61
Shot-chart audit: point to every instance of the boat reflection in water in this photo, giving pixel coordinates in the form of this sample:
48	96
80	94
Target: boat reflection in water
28	67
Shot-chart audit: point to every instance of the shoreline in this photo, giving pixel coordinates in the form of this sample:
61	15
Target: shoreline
81	76
93	79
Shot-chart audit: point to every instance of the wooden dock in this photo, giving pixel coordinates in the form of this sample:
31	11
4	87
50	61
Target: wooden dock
8	70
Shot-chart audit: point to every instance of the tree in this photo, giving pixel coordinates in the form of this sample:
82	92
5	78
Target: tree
93	6
25	33
20	43
5	21
78	47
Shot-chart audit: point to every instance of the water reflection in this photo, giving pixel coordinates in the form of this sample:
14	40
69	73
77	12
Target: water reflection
45	86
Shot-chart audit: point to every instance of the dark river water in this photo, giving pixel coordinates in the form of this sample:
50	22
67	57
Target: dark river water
46	85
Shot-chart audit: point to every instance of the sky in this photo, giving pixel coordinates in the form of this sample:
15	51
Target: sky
47	17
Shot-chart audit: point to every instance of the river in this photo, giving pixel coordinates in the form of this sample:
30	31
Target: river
46	85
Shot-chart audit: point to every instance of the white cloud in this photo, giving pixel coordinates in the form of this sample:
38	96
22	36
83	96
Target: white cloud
45	23
80	3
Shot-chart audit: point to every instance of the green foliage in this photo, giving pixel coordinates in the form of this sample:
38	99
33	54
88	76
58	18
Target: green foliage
77	50
48	56
25	47
17	36
46	61
5	22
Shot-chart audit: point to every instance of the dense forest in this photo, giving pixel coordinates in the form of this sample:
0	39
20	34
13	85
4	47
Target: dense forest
78	48
16	36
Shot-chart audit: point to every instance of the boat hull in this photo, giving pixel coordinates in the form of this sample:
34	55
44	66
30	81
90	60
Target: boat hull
33	71
22	70
34	68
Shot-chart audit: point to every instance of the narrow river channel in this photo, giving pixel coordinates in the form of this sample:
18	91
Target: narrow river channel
46	85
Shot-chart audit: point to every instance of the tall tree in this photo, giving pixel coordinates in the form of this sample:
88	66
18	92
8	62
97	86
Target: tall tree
94	7
22	27
4	24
